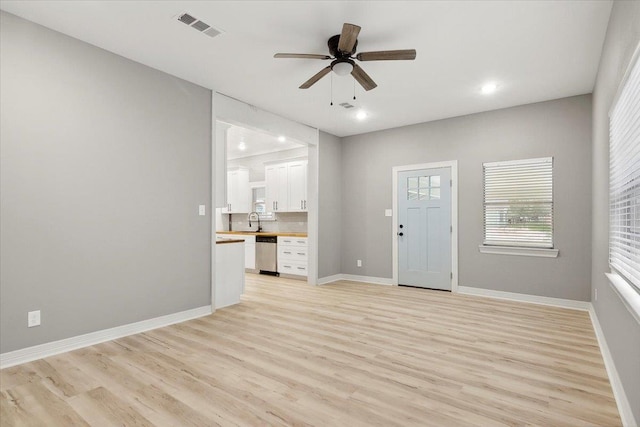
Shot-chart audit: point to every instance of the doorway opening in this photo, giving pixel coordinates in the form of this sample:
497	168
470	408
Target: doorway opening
267	204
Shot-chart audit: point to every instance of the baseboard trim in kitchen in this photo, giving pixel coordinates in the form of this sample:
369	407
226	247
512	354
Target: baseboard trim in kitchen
355	278
24	355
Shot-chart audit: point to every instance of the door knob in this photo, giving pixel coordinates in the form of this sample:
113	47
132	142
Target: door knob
401	234
401	226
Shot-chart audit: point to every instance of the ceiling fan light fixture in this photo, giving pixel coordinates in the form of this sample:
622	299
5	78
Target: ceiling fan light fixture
342	68
242	146
361	115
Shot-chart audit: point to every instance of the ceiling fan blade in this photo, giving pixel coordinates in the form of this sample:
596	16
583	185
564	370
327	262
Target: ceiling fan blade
301	56
348	38
387	55
314	79
363	78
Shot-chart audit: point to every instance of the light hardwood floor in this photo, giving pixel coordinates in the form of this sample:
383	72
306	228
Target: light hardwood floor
345	354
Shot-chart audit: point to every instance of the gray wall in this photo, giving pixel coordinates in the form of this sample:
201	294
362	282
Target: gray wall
621	330
103	164
560	128
330	201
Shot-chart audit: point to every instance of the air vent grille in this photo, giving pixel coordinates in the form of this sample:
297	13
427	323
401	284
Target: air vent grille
346	105
187	19
199	25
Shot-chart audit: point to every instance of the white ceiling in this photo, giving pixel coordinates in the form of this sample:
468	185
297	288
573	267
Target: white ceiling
255	143
534	50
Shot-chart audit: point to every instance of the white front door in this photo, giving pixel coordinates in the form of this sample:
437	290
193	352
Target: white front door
424	228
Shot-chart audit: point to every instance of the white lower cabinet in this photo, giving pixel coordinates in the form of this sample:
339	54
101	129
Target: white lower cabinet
250	252
292	255
249	248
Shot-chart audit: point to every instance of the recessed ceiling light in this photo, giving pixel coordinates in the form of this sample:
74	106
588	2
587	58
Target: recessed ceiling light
242	146
281	138
361	115
489	88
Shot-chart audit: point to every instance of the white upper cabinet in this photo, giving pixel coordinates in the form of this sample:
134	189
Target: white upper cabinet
238	192
297	186
276	187
286	186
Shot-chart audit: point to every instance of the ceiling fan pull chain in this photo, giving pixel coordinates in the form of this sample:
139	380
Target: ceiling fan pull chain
354	89
331	89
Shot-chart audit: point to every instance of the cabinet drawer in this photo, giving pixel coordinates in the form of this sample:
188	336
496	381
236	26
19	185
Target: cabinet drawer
292	241
292	253
294	268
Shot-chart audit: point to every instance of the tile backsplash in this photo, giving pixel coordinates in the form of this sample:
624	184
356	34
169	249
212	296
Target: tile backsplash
285	221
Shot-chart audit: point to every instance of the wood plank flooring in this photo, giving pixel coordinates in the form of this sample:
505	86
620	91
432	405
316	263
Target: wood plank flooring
344	354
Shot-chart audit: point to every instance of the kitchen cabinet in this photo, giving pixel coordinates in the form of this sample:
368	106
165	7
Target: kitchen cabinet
297	183
286	186
229	274
277	187
238	192
249	249
292	255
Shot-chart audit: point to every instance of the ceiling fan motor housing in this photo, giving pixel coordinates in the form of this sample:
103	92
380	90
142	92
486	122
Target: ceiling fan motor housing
335	52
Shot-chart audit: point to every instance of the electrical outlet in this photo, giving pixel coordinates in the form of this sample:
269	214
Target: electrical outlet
596	296
33	318
201	210
359	263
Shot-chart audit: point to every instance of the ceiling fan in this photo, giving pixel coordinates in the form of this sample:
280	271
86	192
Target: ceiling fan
342	48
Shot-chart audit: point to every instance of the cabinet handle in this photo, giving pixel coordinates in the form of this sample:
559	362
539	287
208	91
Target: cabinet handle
301	253
286	266
301	204
287	252
305	204
301	268
301	241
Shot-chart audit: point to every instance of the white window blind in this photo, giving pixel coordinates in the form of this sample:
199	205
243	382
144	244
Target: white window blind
624	180
518	203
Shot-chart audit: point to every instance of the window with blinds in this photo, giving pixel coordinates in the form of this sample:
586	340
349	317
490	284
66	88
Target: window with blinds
624	180
518	203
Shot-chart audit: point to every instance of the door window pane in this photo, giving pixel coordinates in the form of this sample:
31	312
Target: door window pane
423	188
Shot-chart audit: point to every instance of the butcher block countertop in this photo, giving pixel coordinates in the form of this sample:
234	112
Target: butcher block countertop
265	233
220	240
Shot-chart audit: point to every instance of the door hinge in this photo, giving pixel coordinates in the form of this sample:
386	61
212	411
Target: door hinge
451	229
451	275
450	183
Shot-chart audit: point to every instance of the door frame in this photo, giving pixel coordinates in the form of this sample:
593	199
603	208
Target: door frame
453	166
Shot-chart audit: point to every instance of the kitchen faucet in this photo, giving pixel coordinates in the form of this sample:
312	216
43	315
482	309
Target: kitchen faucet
255	215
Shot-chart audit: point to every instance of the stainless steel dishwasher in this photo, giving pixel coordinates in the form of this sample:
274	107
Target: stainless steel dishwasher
267	254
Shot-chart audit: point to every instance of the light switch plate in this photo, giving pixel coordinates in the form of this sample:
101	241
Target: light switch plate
388	212
201	210
33	318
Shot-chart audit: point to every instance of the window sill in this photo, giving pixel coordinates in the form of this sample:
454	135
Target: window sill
628	295
512	250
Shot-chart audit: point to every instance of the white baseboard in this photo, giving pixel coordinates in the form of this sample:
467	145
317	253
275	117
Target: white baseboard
624	407
535	299
40	351
329	279
355	278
